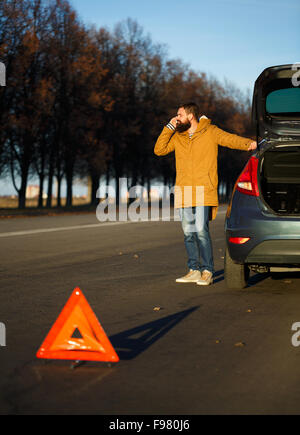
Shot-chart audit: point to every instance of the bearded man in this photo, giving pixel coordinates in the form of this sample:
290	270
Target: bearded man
195	141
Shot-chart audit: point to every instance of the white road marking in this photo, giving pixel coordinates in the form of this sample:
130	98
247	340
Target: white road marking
79	227
54	230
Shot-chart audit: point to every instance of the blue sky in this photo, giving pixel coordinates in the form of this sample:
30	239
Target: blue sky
232	39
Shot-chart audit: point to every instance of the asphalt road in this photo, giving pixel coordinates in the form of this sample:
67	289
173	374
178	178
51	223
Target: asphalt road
207	350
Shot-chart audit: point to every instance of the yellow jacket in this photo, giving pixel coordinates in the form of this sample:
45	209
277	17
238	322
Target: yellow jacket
197	162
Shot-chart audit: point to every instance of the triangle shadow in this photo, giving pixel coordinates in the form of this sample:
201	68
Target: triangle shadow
129	344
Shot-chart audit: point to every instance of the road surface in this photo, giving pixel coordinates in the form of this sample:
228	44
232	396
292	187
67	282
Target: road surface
206	350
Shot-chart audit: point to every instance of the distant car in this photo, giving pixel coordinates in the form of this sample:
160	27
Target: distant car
262	224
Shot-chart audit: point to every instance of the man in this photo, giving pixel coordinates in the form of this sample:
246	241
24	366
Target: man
195	141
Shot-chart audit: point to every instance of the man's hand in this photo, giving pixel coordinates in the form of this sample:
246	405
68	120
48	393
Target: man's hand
253	146
174	121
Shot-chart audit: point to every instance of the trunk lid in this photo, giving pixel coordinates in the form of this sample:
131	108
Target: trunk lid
276	105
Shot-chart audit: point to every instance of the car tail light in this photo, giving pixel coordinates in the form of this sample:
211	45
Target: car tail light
247	182
239	240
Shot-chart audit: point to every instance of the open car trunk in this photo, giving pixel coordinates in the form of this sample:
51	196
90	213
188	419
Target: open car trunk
280	179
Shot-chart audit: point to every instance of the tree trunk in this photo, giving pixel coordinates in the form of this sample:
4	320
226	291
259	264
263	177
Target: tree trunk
41	191
22	191
95	183
58	194
108	174
50	188
69	178
117	189
149	189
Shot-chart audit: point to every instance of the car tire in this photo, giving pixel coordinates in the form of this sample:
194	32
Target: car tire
236	275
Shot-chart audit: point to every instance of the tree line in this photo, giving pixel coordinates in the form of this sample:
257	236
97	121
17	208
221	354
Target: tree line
82	101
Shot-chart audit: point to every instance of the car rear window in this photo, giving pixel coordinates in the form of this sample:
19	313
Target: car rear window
283	101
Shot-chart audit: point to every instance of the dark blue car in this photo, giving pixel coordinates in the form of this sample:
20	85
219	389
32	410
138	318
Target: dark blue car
262	224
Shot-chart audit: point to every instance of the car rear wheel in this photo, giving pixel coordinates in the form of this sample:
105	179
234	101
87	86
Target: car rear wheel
236	275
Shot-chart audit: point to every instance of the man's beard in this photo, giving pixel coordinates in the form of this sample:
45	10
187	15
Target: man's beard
182	127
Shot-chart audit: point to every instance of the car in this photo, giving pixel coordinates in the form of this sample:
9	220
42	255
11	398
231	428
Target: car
262	224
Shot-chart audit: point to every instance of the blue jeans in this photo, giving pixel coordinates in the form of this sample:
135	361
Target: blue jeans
197	240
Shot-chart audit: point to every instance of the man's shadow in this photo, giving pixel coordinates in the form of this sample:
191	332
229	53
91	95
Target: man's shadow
129	344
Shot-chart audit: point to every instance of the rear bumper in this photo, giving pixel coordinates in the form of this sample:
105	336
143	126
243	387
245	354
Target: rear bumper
273	239
275	252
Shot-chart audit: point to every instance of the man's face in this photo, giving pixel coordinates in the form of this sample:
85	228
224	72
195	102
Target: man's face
183	121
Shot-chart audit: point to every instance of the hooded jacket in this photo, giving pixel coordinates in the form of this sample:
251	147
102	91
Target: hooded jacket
197	161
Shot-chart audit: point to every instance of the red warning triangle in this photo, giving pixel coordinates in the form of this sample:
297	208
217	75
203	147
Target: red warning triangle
77	319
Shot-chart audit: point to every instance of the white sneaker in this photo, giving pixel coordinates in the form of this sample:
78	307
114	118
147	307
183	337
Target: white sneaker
206	278
192	276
